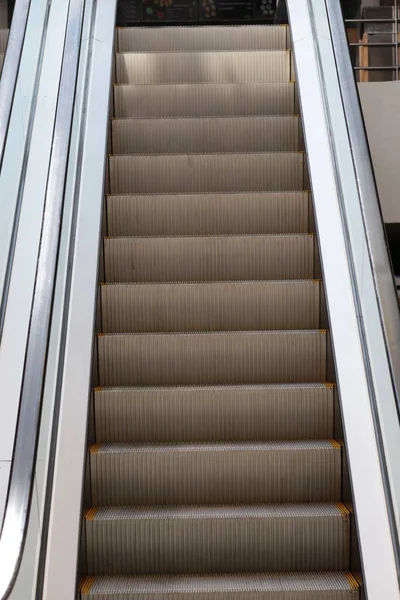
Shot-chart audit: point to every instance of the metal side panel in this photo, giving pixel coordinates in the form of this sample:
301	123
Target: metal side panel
206	173
279	586
202	67
206	414
197	474
202	39
199	100
3	40
218	539
206	134
208	214
212	258
212	358
226	306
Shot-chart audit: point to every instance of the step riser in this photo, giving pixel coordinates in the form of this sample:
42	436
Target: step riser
204	100
212	359
198	39
206	67
281	586
208	259
238	476
210	214
218	546
207	415
210	307
3	40
174	136
207	173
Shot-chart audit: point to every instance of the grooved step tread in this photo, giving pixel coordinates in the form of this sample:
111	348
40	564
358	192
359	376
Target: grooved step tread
207	39
218	539
208	214
215	473
219	306
265	586
262	66
202	100
224	413
209	258
206	134
212	358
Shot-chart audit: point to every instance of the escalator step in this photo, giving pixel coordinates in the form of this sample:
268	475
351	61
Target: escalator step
212	358
206	39
218	539
206	414
205	134
207	173
219	306
247	472
209	258
208	214
199	100
260	586
3	40
271	66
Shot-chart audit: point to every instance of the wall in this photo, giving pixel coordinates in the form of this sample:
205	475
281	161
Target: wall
381	108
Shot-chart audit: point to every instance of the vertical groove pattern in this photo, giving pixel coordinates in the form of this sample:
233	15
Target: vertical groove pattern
212	358
199	100
206	414
260	586
176	474
203	67
206	173
210	306
209	258
208	214
218	540
3	40
197	39
206	134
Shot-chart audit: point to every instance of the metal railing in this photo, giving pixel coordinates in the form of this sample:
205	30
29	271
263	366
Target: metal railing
394	67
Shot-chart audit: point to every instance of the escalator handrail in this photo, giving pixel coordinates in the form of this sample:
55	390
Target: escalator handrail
22	475
9	73
383	276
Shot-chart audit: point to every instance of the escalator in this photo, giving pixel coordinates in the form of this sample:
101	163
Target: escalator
218	466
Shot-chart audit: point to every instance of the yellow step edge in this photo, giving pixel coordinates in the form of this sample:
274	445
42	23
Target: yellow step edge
335	444
343	509
330	386
94	449
91	513
86	585
353	583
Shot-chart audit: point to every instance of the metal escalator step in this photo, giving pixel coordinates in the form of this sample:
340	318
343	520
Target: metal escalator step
206	134
183	173
207	414
212	358
222	539
259	586
199	100
3	40
209	258
208	214
219	306
207	173
202	39
215	473
270	66
1	60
